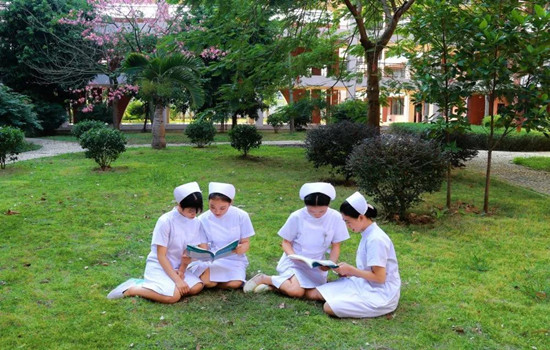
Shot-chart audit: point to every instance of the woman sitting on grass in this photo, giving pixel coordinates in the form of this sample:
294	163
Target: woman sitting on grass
222	224
310	232
373	287
166	279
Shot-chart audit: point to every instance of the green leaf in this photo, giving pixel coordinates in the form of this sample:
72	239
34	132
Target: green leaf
483	24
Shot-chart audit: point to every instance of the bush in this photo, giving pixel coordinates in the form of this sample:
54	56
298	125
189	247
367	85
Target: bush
50	116
103	145
12	140
245	137
201	132
351	110
332	144
477	138
101	112
81	127
276	120
396	170
17	110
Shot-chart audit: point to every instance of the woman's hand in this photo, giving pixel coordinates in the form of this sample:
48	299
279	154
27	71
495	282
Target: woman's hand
324	268
345	269
182	287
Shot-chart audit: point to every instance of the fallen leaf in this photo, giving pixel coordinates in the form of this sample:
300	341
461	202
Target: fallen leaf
541	295
389	316
45	281
42	198
459	330
27	264
282	305
11	212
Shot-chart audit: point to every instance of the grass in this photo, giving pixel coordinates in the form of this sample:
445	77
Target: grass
29	146
536	163
74	233
138	138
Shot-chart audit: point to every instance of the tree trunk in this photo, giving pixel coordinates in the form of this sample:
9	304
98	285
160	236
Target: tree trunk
233	120
449	185
487	181
116	123
159	140
373	90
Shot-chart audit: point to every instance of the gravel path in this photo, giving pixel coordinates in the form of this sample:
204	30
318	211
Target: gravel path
502	166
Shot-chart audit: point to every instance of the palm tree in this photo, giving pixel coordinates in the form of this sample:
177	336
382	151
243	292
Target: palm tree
161	78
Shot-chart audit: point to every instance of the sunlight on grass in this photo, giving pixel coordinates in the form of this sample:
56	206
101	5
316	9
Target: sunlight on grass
469	281
536	163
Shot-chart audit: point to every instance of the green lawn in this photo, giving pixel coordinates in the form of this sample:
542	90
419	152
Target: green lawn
537	163
138	138
469	281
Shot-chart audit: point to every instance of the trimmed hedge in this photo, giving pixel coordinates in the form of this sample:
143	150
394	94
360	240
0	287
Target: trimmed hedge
515	142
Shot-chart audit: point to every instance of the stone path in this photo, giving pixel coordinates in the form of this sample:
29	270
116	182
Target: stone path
502	166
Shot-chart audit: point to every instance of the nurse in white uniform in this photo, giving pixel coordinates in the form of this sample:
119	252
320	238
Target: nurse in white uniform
166	279
222	224
373	287
311	232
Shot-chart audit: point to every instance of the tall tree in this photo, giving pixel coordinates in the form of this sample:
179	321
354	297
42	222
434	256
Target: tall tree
28	36
507	57
256	40
160	78
432	36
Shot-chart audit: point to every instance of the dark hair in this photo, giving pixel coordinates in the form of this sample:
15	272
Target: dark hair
221	196
317	199
194	200
350	211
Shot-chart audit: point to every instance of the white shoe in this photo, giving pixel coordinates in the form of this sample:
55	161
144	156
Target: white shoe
260	288
118	292
252	283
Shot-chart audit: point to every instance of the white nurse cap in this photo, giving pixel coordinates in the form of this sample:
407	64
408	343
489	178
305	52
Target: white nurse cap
358	202
317	187
185	190
225	189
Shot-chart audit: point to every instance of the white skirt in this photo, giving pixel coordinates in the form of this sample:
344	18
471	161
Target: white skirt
158	281
307	277
221	270
351	297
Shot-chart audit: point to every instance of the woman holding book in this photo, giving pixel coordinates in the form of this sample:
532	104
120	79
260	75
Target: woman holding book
166	279
310	232
222	224
373	287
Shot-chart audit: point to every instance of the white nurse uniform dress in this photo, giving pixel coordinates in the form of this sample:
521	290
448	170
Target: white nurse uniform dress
356	297
234	225
173	231
312	238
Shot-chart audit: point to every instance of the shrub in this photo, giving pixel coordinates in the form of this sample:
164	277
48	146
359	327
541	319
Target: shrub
50	116
103	145
81	127
245	137
276	120
201	132
17	110
397	169
12	140
332	144
101	112
351	110
477	138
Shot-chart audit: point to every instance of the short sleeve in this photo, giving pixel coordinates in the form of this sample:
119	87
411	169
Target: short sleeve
377	253
161	233
340	230
289	231
245	224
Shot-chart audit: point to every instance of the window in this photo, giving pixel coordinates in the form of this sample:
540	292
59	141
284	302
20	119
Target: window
397	106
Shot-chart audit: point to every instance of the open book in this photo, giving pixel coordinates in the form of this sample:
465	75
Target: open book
313	262
205	254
